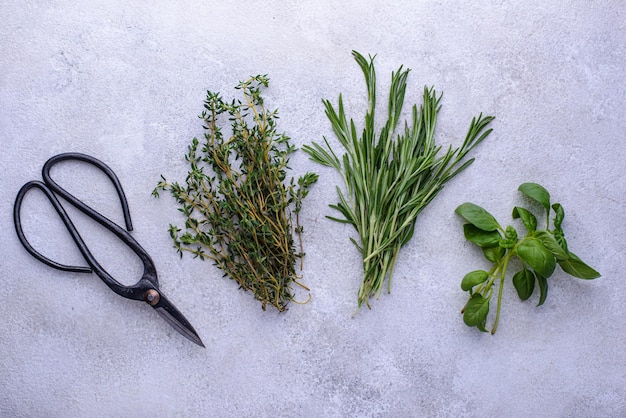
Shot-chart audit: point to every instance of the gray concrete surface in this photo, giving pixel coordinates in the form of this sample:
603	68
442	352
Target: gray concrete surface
124	81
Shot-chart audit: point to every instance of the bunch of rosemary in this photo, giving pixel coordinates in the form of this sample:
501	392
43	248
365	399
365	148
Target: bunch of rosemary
389	182
237	206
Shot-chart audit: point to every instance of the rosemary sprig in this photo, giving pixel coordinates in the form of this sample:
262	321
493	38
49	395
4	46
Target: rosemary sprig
238	208
389	183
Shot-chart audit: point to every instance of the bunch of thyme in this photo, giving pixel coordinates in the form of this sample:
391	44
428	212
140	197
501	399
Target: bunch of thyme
389	183
237	206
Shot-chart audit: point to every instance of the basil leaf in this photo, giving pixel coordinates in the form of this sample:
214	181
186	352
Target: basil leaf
477	216
524	282
560	238
510	238
577	268
537	256
494	254
510	233
549	241
528	219
543	288
481	326
559	215
474	278
476	311
536	192
479	237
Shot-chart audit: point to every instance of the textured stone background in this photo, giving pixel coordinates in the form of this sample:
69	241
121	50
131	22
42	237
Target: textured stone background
124	82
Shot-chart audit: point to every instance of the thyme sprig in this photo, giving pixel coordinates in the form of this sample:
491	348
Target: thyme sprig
238	207
389	182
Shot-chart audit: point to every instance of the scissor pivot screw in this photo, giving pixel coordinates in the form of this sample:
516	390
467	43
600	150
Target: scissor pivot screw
152	297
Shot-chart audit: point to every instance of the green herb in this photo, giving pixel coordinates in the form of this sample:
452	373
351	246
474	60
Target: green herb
539	252
237	206
389	182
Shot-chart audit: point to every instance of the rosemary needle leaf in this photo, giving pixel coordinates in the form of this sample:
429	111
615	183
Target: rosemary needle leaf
389	177
241	212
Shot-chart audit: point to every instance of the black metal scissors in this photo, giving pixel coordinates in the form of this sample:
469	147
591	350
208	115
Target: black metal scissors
147	288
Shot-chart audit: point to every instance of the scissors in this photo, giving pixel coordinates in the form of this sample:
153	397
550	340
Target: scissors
147	288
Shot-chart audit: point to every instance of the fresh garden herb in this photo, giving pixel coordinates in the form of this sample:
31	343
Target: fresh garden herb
389	182
539	252
237	206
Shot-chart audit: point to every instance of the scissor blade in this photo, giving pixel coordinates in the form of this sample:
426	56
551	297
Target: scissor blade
177	320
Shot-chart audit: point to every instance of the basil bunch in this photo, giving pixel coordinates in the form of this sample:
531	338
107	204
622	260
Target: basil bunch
539	253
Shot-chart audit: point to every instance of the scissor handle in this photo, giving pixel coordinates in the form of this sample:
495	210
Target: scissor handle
66	220
131	292
50	187
149	267
45	172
